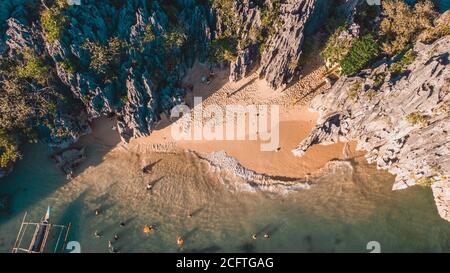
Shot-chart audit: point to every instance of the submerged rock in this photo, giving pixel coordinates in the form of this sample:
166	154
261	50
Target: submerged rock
5	204
5	171
69	159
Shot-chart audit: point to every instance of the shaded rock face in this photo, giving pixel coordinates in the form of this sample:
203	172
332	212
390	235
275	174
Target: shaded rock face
280	59
245	62
382	123
249	16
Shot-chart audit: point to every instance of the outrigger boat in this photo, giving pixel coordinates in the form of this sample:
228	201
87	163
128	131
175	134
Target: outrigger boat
40	235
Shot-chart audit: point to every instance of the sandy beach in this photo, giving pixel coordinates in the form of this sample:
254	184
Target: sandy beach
296	122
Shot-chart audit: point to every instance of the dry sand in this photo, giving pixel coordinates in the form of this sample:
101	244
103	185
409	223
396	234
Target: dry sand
296	122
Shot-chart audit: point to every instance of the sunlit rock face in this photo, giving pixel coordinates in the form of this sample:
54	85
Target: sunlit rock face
416	150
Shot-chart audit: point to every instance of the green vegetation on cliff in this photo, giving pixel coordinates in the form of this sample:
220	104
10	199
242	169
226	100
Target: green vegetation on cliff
27	102
336	47
361	53
400	66
417	119
425	181
53	20
223	49
176	37
34	68
233	37
104	57
227	13
402	24
8	150
149	34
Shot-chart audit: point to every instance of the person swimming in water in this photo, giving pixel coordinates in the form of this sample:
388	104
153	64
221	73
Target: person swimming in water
254	236
122	224
180	241
148	229
97	234
116	237
97	212
266	235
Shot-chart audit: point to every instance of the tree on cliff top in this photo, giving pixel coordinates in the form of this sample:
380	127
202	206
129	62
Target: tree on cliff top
402	24
104	57
361	53
8	150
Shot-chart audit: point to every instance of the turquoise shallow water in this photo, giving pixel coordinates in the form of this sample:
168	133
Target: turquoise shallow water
347	208
442	5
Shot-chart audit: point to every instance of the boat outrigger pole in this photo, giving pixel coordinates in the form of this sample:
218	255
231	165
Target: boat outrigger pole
40	235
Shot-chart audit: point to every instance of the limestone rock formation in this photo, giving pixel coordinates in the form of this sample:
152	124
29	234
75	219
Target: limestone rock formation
249	17
277	62
158	42
402	120
280	59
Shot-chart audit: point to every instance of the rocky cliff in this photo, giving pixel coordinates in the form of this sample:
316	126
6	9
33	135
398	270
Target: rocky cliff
280	60
123	58
277	59
402	119
277	50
